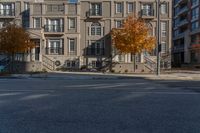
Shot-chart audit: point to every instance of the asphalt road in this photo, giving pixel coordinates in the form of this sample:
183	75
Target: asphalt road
80	104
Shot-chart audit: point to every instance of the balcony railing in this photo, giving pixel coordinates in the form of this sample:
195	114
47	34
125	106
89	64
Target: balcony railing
7	12
54	51
95	51
94	13
147	12
53	28
178	49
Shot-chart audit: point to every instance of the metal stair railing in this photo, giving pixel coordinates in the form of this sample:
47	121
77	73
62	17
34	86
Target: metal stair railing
48	63
149	63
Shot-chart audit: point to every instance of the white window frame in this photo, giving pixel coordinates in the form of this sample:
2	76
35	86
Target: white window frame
163	47
163	8
130	3
117	22
59	41
74	42
34	22
96	9
73	26
116	7
96	28
163	29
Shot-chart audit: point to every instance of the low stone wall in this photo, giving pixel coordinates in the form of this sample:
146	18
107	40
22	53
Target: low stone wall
129	68
21	67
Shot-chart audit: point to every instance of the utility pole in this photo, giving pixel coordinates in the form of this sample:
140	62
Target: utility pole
158	38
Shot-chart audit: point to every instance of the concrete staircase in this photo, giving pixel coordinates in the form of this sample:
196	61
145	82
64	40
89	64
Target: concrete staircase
48	64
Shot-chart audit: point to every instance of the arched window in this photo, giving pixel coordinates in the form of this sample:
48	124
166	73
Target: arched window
95	29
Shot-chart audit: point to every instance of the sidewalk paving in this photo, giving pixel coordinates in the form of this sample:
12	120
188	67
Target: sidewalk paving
186	75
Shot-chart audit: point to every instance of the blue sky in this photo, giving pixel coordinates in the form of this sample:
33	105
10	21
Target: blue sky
73	1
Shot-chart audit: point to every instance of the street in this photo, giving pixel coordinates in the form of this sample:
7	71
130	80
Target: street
81	104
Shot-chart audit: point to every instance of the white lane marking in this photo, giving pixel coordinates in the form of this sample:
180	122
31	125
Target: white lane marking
5	90
112	86
31	97
10	94
168	93
86	85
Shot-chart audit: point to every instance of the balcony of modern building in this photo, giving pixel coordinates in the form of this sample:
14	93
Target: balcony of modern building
178	2
182	9
180	34
178	46
182	22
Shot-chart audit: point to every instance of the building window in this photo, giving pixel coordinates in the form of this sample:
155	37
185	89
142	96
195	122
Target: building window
195	25
194	2
118	7
163	29
163	8
55	8
118	23
7	9
37	23
95	48
96	29
55	46
130	7
95	9
163	47
195	13
72	23
147	10
72	46
26	6
71	63
54	25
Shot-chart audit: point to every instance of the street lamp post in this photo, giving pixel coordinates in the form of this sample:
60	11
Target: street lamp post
158	38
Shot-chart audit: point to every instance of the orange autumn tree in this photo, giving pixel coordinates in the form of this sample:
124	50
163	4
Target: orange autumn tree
14	39
133	37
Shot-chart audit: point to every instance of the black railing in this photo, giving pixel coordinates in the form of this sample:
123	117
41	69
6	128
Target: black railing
94	12
7	12
147	12
53	28
95	51
54	51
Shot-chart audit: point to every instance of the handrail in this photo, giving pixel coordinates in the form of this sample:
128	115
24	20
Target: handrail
48	63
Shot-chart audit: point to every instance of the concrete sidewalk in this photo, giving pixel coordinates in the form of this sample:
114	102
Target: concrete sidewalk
95	75
171	76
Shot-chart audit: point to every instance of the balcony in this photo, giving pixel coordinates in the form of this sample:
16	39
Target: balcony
146	13
54	51
177	49
95	52
182	22
94	13
7	13
182	11
54	28
179	35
